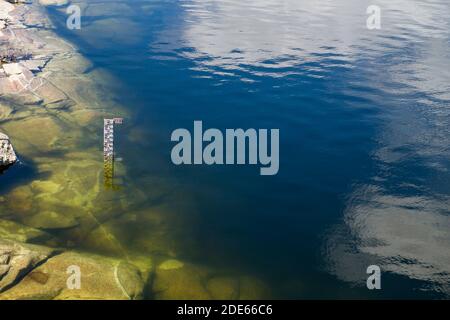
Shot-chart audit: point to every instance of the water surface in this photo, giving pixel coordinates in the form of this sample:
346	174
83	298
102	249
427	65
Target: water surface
364	126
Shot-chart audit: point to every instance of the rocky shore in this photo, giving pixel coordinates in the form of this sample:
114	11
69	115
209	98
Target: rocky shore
52	105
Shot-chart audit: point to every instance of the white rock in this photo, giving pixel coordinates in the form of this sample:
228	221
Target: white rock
12	68
53	2
7	154
5	8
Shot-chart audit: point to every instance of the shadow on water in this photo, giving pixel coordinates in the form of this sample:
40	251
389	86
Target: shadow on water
20	173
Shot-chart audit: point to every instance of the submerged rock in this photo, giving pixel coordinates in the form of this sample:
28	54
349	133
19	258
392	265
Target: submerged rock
35	135
101	278
15	231
7	154
17	259
223	288
176	280
171	264
51	220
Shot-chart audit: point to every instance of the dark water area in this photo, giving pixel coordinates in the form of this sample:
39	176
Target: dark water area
21	172
364	133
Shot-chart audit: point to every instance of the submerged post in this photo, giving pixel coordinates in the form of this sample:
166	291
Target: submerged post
108	150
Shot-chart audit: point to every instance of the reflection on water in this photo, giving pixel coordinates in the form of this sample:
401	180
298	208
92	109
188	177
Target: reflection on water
399	219
406	235
364	122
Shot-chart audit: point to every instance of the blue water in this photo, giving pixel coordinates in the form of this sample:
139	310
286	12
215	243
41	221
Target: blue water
364	133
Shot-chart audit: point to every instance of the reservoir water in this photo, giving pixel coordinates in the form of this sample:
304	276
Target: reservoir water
364	120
